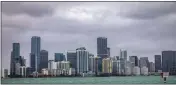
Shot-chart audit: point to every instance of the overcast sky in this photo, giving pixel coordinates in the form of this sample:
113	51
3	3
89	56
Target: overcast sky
142	28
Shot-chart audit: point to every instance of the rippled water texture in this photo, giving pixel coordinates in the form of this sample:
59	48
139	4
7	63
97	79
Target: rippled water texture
91	80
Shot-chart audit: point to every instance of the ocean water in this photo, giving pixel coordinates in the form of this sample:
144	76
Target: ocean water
92	80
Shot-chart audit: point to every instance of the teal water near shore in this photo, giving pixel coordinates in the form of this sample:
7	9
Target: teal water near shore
91	80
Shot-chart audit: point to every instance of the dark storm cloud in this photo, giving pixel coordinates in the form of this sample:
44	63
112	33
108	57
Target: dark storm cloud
149	10
144	28
35	9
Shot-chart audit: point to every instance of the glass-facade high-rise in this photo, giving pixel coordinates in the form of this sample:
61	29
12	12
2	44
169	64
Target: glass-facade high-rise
43	59
59	57
157	63
71	57
169	62
101	51
35	51
15	57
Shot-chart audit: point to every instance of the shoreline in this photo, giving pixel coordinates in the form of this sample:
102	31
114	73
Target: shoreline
75	77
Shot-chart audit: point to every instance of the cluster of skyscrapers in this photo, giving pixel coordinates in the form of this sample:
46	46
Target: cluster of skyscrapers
85	62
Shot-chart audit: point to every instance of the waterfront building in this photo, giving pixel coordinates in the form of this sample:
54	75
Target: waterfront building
152	67
45	71
72	71
169	62
129	68
23	71
15	58
114	67
65	65
52	66
123	61
43	59
101	51
59	65
128	71
59	57
92	63
157	63
118	66
136	71
29	71
144	70
4	73
35	51
72	58
82	60
107	65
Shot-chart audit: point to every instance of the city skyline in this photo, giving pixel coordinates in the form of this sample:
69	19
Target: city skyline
62	30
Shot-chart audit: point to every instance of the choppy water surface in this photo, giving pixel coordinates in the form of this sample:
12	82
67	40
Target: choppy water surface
91	80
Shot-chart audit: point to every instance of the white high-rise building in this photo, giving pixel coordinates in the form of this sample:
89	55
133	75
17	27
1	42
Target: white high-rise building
144	70
65	65
128	71
23	71
82	60
45	71
72	71
59	65
123	61
92	64
128	68
118	67
52	67
136	71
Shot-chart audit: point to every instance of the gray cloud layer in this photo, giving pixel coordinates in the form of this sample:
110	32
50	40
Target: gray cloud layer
143	28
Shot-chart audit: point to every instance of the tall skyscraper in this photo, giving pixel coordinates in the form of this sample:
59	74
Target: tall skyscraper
82	60
43	59
101	50
59	57
134	59
169	62
157	63
72	58
15	58
123	60
35	50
